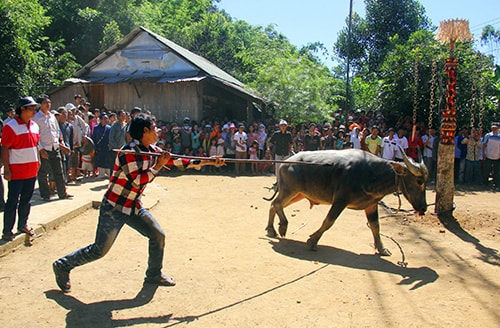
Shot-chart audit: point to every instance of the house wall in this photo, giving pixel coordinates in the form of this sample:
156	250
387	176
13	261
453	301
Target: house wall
169	102
67	95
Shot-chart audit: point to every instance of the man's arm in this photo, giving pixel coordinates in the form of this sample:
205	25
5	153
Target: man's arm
6	164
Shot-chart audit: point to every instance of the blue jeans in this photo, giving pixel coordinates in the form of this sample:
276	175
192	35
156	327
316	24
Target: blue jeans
110	224
18	199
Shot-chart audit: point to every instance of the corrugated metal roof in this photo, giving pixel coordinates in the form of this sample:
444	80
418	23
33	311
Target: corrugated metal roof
144	55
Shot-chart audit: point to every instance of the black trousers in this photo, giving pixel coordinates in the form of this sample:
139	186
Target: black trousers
51	165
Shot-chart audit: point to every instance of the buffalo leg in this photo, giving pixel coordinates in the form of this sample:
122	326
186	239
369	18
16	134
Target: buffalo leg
372	215
332	215
271	232
277	207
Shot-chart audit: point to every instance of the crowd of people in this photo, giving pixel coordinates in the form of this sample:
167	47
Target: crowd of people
78	142
57	147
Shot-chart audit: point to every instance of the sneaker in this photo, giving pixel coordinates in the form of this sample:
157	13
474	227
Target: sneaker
161	280
62	277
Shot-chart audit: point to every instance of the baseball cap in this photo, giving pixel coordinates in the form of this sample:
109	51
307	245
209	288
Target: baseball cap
283	122
70	106
26	101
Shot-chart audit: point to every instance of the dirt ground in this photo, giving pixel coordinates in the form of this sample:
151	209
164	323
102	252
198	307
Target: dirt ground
229	274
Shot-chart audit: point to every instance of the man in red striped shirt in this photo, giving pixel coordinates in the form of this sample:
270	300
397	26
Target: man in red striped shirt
20	138
122	205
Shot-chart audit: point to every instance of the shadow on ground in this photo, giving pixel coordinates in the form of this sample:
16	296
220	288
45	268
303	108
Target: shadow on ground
417	277
99	314
488	255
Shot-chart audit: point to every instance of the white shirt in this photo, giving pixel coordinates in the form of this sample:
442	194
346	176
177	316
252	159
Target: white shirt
240	141
356	143
492	142
403	142
49	130
388	147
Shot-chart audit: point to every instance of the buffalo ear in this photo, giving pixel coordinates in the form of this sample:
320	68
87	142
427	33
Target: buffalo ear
400	169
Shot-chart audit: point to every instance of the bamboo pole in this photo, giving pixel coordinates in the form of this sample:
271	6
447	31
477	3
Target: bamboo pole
228	160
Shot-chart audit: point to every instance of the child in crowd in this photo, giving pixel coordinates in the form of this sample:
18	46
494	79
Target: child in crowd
87	151
347	142
267	167
253	154
176	146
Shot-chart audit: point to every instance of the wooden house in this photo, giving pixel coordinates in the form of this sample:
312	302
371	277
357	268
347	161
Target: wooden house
149	71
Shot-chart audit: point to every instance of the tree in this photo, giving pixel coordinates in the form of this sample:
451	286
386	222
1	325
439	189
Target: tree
387	18
13	62
30	65
490	36
356	50
304	91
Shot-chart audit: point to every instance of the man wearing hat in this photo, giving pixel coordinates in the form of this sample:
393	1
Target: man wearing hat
20	138
491	147
50	151
282	142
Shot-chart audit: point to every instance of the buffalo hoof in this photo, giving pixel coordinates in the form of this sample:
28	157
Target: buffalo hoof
282	229
271	233
384	252
313	245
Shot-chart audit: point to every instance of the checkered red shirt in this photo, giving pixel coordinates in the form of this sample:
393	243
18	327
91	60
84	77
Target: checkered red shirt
131	174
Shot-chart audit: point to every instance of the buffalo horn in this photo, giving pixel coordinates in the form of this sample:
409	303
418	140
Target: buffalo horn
410	164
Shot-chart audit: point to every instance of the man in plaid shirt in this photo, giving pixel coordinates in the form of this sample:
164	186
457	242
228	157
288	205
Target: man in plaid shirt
121	204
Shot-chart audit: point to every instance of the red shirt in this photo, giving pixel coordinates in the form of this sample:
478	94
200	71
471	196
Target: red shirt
21	139
131	174
413	147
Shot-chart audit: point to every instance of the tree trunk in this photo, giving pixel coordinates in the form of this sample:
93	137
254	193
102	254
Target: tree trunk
445	184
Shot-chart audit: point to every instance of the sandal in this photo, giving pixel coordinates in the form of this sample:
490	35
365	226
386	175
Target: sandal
28	231
161	280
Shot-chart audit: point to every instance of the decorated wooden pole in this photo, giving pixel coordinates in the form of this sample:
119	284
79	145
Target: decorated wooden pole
450	31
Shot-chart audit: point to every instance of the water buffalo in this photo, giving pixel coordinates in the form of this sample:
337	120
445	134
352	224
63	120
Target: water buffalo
350	178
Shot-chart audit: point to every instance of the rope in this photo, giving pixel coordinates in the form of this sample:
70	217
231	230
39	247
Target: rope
473	101
433	94
415	97
481	102
401	263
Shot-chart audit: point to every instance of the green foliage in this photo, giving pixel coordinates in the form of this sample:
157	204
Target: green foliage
302	87
12	60
387	48
22	51
415	58
490	35
387	18
111	35
356	49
